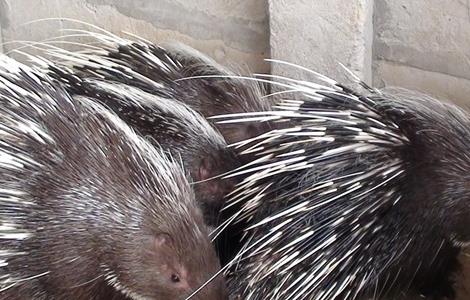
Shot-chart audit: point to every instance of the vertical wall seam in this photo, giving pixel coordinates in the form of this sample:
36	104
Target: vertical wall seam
369	43
269	32
1	39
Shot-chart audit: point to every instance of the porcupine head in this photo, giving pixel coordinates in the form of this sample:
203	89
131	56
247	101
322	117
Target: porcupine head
164	251
168	263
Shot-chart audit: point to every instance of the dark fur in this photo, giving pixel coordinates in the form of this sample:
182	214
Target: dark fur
99	202
204	155
210	93
414	250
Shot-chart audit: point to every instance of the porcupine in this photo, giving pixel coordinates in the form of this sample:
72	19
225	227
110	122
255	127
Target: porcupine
172	70
126	54
364	195
166	122
88	209
175	72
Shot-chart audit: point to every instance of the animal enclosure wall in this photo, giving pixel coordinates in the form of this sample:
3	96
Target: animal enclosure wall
420	44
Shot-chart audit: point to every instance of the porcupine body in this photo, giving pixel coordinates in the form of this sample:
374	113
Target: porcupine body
178	73
88	209
173	70
164	121
362	195
128	62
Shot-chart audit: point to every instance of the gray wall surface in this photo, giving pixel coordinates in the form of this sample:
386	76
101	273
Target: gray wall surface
420	44
230	31
319	34
424	45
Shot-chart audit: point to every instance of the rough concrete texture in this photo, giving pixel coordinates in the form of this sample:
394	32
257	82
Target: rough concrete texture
439	85
229	31
2	17
1	39
319	34
423	44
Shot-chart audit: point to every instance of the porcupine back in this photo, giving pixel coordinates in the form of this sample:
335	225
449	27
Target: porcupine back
166	122
89	210
362	195
174	70
179	73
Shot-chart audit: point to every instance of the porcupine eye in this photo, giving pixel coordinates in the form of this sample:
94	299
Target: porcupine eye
175	278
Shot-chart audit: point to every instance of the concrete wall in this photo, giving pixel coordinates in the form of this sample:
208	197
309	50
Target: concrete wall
420	44
424	45
229	31
319	34
1	39
2	20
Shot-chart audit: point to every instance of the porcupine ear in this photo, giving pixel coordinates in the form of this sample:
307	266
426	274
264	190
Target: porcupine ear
204	169
206	173
162	240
